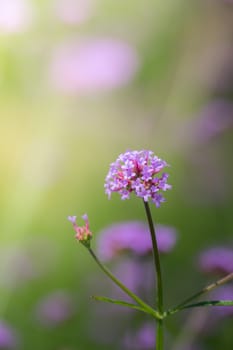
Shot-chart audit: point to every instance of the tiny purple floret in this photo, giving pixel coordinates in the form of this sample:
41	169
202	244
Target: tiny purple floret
138	172
72	219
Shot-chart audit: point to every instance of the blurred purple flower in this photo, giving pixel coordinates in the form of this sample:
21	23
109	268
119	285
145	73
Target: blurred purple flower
215	118
8	338
143	338
20	265
131	273
209	178
208	170
72	219
92	66
136	171
73	11
214	316
223	293
137	275
133	236
17	267
216	260
55	309
15	15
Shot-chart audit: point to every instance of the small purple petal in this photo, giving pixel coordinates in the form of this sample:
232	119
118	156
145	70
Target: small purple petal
72	219
85	217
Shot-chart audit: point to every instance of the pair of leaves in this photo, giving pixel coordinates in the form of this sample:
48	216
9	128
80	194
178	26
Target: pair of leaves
169	312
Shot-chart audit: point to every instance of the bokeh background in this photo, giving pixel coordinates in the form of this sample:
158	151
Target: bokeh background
82	81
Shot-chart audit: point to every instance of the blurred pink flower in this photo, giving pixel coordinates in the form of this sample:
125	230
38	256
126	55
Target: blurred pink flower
223	293
15	15
137	275
21	265
55	309
73	11
215	118
134	237
97	64
216	260
143	338
8	337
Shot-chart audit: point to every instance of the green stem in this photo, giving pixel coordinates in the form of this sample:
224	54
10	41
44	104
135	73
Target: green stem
138	300
159	335
206	289
159	297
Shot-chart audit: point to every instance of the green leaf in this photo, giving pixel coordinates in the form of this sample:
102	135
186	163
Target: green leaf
119	302
209	303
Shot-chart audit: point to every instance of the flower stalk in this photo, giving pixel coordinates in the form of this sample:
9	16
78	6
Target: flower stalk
159	296
204	290
133	296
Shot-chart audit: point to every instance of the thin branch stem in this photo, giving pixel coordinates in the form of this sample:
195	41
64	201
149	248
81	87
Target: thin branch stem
204	290
133	296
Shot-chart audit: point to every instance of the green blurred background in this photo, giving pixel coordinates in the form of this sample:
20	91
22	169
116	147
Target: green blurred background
57	144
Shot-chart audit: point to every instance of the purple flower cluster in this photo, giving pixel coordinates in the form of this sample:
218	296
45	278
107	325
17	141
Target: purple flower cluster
137	171
134	236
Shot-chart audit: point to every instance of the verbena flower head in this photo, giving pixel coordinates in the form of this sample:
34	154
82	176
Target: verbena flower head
83	234
138	172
